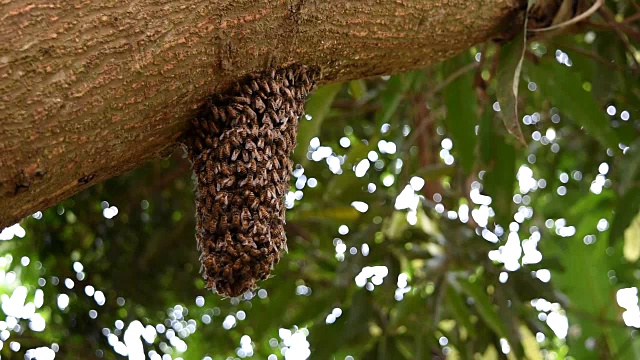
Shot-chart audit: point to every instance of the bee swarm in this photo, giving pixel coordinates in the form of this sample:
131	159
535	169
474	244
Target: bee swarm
240	149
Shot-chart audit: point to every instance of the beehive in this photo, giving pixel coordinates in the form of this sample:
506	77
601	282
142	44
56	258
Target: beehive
240	149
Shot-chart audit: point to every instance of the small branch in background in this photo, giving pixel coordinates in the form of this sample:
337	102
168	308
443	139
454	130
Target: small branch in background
608	15
632	18
423	138
451	78
479	84
592	55
631	31
573	20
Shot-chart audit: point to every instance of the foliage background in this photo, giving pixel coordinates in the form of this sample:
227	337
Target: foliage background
418	227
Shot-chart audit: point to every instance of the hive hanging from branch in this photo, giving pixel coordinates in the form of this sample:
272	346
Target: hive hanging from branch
240	149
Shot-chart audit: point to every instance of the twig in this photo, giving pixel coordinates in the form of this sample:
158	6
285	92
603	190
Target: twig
592	55
632	18
573	20
451	78
608	15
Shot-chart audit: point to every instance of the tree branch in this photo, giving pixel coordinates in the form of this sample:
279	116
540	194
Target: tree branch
90	90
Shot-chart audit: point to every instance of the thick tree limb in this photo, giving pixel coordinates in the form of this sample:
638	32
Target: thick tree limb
90	90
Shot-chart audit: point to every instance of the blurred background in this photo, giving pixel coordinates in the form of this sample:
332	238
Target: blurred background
418	228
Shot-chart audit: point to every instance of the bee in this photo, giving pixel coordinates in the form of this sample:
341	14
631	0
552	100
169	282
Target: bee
255	203
244	240
236	153
245	258
207	202
264	174
241	120
253	166
264	197
254	252
231	112
271	193
211	284
240	100
235	139
273	116
276	176
222	115
225	169
246	89
213	128
211	225
265	239
217	208
275	88
208	262
267	151
199	133
241	168
264	214
249	182
254	85
226	273
251	115
266	119
238	201
204	156
224	224
215	112
276	163
255	131
287	92
232	250
264	86
289	75
228	242
258	104
225	151
228	181
287	140
277	103
249	145
237	265
197	143
235	219
245	156
222	198
246	217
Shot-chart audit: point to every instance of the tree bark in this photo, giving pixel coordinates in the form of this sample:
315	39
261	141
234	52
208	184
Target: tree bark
90	90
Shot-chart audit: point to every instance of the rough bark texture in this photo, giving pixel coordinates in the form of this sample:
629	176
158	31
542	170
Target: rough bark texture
90	90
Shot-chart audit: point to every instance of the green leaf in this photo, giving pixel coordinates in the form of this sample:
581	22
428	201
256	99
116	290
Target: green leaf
563	86
461	102
627	208
499	161
631	249
459	310
358	89
508	78
484	306
391	96
317	107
